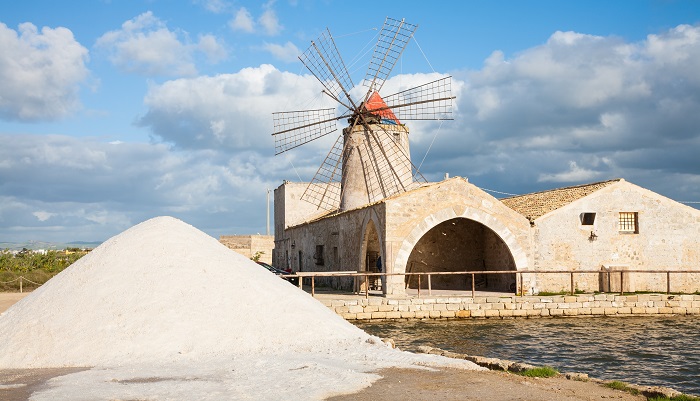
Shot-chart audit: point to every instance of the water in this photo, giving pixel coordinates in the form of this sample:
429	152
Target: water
657	351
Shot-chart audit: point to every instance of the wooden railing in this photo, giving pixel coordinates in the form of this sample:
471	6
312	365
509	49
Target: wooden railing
472	275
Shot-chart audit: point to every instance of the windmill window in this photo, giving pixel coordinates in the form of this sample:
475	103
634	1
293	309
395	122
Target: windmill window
587	219
629	222
319	255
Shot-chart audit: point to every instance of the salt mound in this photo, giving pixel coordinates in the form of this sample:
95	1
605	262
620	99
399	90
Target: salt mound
164	291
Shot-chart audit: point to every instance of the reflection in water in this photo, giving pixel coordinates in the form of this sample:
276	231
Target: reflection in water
663	351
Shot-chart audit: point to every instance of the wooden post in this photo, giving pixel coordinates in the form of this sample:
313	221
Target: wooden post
20	284
521	284
301	282
473	284
622	283
668	282
430	287
419	286
313	286
572	283
366	286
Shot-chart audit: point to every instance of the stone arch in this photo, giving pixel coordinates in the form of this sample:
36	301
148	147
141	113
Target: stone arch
372	246
492	223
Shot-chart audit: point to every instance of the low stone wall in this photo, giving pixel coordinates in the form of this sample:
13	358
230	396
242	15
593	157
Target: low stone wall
513	307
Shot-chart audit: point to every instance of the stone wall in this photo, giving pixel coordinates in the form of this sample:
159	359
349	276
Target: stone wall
514	306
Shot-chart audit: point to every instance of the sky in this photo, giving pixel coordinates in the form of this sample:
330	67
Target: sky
113	112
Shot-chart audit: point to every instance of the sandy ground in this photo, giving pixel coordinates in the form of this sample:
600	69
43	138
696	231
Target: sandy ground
8	299
396	385
460	385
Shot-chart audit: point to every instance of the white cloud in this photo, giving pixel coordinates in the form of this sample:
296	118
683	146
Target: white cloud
287	52
43	215
243	21
144	45
233	111
215	6
270	22
574	174
40	73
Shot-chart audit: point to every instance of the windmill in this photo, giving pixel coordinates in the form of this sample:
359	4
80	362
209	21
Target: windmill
370	161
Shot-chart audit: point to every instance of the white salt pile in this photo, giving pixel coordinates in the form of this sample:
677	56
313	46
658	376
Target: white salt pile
165	311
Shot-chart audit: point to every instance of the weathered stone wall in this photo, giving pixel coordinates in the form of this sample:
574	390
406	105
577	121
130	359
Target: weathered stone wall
514	307
668	239
249	245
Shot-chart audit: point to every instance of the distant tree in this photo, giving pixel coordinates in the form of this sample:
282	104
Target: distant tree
256	257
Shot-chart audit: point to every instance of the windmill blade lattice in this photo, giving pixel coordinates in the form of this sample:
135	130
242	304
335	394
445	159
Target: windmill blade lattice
393	39
295	128
324	189
323	60
431	101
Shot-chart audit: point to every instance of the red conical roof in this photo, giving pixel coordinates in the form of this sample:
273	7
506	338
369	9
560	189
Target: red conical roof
375	102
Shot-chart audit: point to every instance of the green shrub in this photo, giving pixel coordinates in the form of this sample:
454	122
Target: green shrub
544	371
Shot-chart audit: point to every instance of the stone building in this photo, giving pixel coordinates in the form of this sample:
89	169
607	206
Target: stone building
250	245
453	225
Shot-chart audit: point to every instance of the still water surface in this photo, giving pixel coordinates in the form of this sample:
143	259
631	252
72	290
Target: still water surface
662	351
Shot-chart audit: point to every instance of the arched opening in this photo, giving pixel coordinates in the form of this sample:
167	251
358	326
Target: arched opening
461	244
371	261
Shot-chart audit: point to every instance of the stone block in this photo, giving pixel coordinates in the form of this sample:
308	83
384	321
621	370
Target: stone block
416	301
370	309
665	310
378	315
651	310
506	313
463	314
386	308
597	311
408	315
333	302
349	316
440	307
571	312
363	316
404	308
454	307
491	313
679	310
434	313
454	300
544	312
429	301
585	311
636	310
341	309
610	311
520	313
692	311
570	299
375	301
393	315
478	313
560	306
624	311
355	309
422	314
447	313
556	312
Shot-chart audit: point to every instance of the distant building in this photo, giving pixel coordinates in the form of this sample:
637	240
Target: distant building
250	245
453	225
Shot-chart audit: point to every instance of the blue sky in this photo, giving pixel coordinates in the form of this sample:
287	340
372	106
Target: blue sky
113	112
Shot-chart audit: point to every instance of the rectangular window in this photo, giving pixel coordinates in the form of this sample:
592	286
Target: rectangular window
319	255
629	222
587	219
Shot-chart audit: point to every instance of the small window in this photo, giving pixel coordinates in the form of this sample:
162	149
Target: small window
319	255
629	222
587	219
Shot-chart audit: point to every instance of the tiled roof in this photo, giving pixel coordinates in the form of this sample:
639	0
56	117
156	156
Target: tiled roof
538	204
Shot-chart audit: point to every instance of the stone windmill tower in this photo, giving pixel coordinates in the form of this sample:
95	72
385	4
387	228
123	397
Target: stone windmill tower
371	159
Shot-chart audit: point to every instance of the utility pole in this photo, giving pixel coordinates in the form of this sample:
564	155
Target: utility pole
268	211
